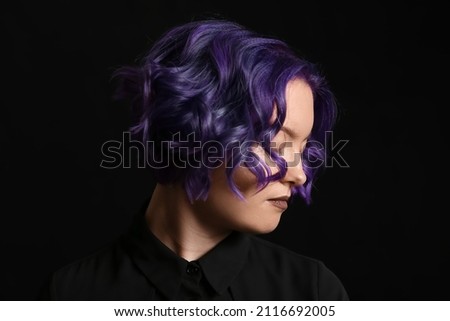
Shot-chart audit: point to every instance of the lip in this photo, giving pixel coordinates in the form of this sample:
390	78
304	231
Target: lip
280	202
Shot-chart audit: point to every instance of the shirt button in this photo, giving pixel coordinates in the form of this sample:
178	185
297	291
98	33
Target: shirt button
192	269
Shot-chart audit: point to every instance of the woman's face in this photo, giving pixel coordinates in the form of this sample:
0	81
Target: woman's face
261	212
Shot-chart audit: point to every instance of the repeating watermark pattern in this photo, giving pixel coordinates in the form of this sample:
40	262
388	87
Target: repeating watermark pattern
189	152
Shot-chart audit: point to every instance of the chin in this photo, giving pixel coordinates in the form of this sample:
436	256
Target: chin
266	228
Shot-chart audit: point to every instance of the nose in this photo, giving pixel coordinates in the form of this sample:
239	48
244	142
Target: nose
295	174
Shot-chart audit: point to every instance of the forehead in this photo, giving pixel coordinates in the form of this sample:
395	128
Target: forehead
299	108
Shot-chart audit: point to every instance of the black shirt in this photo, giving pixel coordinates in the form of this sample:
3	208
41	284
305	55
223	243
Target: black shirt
137	266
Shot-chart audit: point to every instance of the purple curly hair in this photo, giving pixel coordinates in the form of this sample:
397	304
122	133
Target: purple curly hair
217	81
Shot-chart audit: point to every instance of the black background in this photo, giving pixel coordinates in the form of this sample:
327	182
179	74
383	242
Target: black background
378	224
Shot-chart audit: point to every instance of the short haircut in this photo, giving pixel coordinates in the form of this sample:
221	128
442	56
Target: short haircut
215	83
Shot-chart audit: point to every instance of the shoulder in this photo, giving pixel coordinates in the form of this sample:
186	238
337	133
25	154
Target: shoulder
276	256
297	269
99	275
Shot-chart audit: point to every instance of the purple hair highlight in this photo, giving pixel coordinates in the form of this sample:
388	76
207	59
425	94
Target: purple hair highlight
220	81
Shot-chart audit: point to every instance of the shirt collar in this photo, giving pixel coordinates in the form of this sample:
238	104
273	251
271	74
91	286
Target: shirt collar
162	267
165	269
223	263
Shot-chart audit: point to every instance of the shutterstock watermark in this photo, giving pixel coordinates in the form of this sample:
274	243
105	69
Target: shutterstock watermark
188	152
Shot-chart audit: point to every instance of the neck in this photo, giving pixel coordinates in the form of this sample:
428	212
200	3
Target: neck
179	225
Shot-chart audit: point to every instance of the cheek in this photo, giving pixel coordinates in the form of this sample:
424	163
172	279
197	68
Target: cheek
245	179
224	209
221	193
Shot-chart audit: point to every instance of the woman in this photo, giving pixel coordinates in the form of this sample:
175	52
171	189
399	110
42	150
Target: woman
234	123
